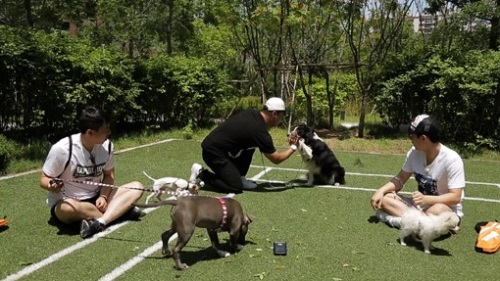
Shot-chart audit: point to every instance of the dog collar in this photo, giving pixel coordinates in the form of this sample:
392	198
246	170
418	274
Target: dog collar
224	211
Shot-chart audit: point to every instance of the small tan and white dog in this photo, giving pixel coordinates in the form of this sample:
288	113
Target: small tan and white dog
179	185
425	228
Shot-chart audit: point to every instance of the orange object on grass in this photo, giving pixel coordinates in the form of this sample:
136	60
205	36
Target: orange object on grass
488	239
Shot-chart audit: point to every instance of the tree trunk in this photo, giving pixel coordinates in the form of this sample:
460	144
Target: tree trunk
29	15
331	99
494	31
310	117
170	22
361	125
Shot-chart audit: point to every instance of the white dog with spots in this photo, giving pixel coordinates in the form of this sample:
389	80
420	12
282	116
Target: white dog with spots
181	186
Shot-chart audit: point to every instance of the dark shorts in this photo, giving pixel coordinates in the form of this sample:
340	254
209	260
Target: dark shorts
54	217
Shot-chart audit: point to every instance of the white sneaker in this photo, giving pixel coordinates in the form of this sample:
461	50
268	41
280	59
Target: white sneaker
388	219
248	184
195	172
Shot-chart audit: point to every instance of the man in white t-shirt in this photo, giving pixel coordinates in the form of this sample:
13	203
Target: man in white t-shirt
77	161
438	170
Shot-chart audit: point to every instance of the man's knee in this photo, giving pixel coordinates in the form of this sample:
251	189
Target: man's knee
67	211
133	189
138	187
390	198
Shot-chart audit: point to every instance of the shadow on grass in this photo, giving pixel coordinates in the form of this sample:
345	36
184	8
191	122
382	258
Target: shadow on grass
261	187
410	242
202	254
281	186
417	245
65	229
3	228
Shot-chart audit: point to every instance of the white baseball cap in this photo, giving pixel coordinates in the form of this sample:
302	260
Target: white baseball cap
424	124
414	124
274	104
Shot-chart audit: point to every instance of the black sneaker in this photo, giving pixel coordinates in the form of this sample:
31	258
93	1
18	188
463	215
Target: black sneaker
134	214
90	227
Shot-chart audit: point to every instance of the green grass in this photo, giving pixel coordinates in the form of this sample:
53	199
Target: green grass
328	231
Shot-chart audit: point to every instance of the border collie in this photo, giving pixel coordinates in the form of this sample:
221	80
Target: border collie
323	166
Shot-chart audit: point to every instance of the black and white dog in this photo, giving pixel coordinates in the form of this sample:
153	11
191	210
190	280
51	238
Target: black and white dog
323	166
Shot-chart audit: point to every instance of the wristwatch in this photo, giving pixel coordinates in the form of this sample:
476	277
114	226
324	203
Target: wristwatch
293	147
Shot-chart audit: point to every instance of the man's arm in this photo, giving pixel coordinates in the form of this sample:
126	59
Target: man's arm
108	178
278	157
48	184
394	185
453	197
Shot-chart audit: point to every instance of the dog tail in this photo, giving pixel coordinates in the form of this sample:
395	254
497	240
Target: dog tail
160	203
148	176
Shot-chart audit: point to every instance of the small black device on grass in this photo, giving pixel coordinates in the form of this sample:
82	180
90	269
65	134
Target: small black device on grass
279	248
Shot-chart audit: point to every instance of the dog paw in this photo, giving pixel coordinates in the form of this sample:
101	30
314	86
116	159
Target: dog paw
403	243
166	253
181	266
427	251
223	254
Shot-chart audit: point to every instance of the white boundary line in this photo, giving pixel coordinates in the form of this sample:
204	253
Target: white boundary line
36	266
362	174
135	260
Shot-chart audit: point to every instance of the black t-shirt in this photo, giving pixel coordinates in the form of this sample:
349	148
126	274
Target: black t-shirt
245	130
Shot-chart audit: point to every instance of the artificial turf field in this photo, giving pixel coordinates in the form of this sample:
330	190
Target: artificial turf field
330	231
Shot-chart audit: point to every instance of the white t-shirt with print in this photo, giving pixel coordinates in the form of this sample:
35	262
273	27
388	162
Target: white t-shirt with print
444	173
81	167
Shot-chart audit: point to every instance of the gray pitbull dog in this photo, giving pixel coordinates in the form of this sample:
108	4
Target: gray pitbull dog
214	214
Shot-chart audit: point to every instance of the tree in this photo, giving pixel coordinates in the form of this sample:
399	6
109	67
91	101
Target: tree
373	29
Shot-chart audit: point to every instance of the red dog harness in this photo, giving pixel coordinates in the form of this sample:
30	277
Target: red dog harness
224	211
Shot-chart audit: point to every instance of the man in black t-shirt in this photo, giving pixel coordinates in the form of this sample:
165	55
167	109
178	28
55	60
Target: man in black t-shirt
229	148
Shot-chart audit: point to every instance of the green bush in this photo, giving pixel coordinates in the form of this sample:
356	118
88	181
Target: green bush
6	150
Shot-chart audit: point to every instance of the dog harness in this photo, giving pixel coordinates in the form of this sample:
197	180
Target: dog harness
224	211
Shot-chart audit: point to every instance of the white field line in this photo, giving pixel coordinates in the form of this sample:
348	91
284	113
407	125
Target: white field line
135	260
36	266
116	152
259	175
267	169
363	175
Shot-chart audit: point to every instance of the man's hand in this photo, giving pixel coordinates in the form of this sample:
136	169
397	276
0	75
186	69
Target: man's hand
293	139
101	203
55	186
418	198
377	199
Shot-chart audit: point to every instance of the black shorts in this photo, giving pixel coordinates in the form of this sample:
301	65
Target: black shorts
54	217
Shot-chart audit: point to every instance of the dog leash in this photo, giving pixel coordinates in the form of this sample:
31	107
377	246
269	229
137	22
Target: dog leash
174	193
